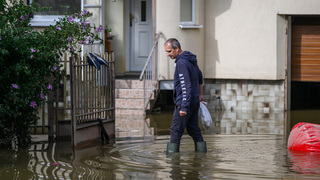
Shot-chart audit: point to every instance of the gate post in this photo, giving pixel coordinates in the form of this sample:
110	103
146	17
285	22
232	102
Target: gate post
73	102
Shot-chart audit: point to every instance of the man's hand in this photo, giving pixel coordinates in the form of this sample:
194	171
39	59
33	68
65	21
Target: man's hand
182	113
200	92
201	98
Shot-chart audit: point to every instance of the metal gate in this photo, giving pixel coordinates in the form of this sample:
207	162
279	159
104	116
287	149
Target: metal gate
92	101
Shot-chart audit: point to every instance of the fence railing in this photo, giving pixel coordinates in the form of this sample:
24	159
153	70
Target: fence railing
149	74
92	90
92	93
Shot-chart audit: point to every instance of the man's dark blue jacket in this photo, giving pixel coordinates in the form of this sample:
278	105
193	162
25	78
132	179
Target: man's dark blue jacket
187	77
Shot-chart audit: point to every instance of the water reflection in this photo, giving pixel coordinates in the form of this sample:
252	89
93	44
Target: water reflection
232	154
228	157
229	122
14	165
190	166
305	162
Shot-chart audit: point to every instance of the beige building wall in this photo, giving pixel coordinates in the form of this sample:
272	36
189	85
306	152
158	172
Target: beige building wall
240	39
243	40
167	22
115	19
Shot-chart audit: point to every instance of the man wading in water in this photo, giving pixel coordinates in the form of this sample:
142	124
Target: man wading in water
187	94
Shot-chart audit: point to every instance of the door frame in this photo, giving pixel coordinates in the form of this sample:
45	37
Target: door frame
287	83
127	35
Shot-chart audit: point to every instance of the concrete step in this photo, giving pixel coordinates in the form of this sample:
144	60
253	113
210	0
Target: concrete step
120	113
128	84
129	98
129	93
129	103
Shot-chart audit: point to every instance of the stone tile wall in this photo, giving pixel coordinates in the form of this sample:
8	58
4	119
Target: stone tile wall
245	106
246	122
264	96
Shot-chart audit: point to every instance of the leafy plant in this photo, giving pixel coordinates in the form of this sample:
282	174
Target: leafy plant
30	64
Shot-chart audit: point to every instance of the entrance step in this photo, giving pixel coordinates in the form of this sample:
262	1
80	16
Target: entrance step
130	114
129	93
129	103
129	84
129	97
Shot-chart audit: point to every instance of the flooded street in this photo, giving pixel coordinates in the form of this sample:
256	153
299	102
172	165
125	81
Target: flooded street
244	155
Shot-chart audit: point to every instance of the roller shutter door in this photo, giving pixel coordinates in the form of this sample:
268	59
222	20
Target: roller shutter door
305	57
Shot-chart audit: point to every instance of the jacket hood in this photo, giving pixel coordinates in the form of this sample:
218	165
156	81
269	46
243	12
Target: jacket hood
188	56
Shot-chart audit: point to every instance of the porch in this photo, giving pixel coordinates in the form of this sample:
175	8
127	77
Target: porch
87	94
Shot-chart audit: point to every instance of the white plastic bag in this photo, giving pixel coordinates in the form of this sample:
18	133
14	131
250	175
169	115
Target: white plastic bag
205	116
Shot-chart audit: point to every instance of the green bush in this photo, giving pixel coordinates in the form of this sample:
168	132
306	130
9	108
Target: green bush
28	60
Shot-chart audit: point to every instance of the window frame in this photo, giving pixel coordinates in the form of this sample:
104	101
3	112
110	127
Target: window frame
192	22
45	20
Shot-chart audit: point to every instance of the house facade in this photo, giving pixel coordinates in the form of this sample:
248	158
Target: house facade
243	47
254	55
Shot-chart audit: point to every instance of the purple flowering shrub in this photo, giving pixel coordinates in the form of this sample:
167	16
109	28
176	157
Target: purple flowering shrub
30	64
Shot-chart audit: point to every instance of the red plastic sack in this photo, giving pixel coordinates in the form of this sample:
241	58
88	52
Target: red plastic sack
305	137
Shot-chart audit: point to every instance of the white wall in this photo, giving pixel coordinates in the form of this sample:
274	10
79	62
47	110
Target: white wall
167	22
115	19
240	40
243	40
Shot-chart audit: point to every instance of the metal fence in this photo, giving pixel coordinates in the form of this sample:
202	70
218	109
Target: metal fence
92	98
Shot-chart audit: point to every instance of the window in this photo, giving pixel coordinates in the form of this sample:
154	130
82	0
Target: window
58	8
143	11
187	12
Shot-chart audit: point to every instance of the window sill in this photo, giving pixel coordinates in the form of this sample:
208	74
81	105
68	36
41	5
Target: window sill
190	26
44	20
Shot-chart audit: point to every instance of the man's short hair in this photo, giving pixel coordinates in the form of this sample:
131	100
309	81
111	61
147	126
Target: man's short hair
174	43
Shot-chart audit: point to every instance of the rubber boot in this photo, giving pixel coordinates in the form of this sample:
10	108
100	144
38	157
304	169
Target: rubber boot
172	148
201	146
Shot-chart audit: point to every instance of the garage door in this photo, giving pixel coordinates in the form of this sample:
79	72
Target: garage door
305	57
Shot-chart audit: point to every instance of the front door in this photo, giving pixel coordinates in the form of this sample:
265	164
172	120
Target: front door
140	33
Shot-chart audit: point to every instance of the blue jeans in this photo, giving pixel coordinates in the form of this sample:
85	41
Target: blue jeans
189	121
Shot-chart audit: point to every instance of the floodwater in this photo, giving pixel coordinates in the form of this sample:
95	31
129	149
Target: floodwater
240	152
